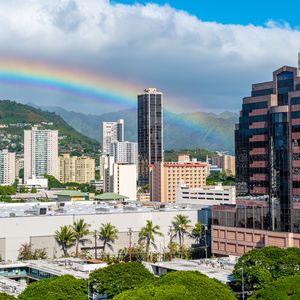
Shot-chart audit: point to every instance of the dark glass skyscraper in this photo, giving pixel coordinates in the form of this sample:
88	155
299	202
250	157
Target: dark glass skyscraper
150	132
267	145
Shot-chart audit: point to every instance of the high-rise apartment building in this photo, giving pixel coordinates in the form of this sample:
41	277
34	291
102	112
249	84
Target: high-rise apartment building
125	152
7	168
76	169
267	147
112	132
166	177
225	162
19	165
150	132
40	153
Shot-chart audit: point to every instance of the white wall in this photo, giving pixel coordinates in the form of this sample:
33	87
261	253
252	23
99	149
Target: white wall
40	230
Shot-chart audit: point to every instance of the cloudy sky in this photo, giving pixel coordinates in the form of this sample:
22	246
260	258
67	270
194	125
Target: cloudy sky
203	54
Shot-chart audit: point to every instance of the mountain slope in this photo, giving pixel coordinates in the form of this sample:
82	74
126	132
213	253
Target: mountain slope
17	117
193	130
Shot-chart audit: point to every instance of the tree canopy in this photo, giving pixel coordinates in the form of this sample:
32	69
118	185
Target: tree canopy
64	287
184	285
117	278
4	296
281	289
263	266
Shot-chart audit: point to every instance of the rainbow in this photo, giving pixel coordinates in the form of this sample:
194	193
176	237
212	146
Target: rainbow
78	82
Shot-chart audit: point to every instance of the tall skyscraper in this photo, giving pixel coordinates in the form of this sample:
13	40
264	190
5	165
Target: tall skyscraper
7	168
267	147
125	152
112	132
150	132
40	153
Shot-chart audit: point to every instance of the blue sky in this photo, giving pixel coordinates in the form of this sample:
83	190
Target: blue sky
244	12
202	63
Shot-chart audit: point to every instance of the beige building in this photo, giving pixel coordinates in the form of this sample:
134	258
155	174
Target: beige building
40	153
19	165
226	162
76	169
7	168
165	177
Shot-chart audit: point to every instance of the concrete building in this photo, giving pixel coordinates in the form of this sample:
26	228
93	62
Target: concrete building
19	165
125	180
36	224
125	152
40	153
112	132
267	147
7	167
167	176
76	169
225	162
106	171
206	195
150	132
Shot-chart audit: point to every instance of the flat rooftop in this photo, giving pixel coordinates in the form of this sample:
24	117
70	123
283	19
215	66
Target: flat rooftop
218	268
81	208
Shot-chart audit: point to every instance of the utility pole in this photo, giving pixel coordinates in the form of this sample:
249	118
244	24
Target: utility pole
130	242
95	239
205	239
171	241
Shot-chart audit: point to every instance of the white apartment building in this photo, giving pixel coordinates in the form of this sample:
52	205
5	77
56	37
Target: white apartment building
7	167
19	165
112	132
40	153
124	152
125	180
206	195
106	171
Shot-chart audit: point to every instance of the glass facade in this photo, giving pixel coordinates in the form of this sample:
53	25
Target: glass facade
150	132
267	145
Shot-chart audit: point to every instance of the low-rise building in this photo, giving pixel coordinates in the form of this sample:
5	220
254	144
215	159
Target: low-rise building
207	195
165	177
70	195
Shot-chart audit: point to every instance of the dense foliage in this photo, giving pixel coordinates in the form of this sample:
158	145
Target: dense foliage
200	154
282	289
223	177
117	278
4	296
16	113
263	266
180	285
64	287
26	252
7	190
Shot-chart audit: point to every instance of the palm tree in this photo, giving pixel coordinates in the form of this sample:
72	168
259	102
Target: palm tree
65	238
108	233
197	232
181	226
81	229
147	234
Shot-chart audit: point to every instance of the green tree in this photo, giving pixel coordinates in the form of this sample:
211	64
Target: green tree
108	233
53	182
117	278
263	266
181	285
33	190
281	289
4	296
26	252
147	235
65	238
63	287
181	224
197	232
80	229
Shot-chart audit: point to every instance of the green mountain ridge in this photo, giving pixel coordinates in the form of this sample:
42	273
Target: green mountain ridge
181	131
15	117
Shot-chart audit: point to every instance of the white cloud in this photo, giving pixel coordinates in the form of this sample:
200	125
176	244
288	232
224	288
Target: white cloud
209	65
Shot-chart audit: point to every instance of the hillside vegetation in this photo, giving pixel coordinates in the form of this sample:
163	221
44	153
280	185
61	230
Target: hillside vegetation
15	117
